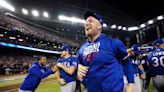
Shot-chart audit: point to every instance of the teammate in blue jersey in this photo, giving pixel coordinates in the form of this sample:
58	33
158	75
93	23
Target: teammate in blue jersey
67	73
139	72
36	73
103	59
156	63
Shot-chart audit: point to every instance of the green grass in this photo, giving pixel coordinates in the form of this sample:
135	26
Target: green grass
151	86
10	83
17	81
50	86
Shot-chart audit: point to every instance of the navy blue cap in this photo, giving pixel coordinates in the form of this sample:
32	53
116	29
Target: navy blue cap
158	42
95	15
136	49
65	48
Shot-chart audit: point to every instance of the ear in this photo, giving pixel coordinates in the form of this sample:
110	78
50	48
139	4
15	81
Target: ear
100	27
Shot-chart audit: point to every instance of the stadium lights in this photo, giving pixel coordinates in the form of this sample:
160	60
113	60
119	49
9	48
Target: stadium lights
119	27
150	22
6	5
45	14
104	25
18	35
35	13
20	40
12	38
124	28
1	35
132	28
159	17
71	19
113	26
142	25
24	11
5	32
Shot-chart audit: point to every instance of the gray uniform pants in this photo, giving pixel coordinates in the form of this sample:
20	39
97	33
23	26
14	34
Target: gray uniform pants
69	87
158	83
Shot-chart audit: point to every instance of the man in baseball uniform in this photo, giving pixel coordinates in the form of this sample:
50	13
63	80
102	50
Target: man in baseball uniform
103	59
67	73
156	63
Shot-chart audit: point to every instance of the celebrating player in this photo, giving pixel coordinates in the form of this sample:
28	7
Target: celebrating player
36	73
134	53
105	57
156	62
67	73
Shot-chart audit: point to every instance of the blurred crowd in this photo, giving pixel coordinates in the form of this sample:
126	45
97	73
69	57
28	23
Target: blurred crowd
36	31
13	26
19	64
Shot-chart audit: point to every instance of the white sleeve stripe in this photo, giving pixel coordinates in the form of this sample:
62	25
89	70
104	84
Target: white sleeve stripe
125	57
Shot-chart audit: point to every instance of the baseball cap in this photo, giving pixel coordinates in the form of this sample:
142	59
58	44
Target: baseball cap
136	49
95	15
65	48
158	42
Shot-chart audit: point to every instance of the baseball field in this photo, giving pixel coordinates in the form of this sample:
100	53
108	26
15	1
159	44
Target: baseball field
11	83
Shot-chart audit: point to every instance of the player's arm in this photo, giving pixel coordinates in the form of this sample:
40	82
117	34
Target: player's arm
129	72
36	71
123	56
59	79
82	70
70	70
143	75
126	63
81	74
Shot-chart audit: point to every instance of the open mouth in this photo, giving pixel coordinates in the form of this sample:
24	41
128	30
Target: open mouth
88	27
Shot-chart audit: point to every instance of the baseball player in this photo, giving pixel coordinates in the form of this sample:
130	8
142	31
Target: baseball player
156	63
36	73
102	59
67	73
134	53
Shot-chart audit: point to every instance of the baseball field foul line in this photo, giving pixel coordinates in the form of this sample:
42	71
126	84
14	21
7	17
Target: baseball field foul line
11	90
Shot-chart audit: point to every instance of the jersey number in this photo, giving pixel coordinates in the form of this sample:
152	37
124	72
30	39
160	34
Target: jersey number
158	61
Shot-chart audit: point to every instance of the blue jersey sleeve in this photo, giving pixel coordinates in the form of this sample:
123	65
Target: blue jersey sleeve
37	72
128	69
149	58
122	55
85	82
120	50
74	62
59	60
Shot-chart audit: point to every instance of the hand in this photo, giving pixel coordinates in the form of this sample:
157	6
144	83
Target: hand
55	68
130	52
82	71
129	87
143	76
62	81
79	77
59	65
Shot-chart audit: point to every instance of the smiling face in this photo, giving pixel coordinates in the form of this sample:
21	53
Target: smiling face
43	61
92	26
